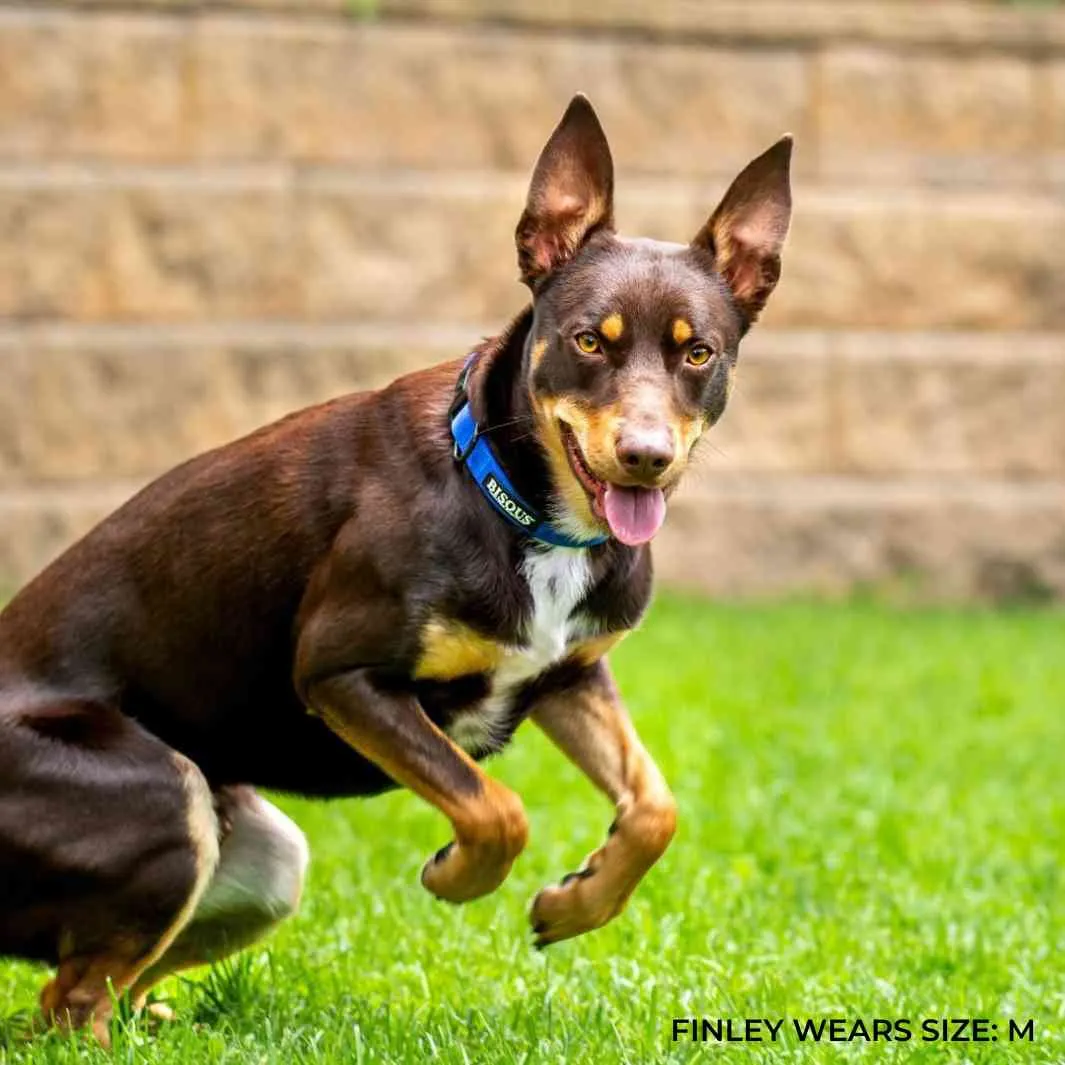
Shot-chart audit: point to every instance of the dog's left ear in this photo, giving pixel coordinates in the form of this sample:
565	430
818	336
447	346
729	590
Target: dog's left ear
571	194
746	232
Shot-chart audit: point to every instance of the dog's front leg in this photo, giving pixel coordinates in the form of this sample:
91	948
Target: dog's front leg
392	731
587	721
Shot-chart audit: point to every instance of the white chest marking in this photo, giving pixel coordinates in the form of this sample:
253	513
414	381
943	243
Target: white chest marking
558	579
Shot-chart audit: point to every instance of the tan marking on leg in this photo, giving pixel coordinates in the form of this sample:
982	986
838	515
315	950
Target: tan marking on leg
203	836
591	727
161	1012
79	995
490	826
493	832
588	652
682	331
83	988
612	327
451	649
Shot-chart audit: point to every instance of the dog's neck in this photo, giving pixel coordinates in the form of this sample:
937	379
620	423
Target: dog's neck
500	400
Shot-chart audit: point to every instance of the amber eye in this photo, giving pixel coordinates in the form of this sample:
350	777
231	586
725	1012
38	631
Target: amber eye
588	342
699	355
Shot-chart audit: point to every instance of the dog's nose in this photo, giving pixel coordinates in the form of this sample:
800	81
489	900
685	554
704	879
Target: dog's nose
645	453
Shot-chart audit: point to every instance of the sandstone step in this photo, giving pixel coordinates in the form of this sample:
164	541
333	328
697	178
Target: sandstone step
189	83
958	23
159	244
1028	25
102	403
953	541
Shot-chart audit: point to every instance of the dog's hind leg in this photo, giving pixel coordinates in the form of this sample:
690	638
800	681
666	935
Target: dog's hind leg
108	838
258	883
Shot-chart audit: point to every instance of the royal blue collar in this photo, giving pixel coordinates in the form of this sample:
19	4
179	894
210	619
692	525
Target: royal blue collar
479	457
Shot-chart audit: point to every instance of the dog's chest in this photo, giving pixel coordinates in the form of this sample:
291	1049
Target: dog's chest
558	580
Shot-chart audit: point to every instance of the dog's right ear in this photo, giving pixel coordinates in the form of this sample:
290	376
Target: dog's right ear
571	194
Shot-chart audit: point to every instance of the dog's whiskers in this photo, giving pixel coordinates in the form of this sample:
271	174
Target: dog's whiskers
524	418
525	436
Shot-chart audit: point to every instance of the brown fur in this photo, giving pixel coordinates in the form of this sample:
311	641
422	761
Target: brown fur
314	608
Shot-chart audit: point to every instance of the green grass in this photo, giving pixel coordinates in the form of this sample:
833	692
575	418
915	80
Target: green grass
873	825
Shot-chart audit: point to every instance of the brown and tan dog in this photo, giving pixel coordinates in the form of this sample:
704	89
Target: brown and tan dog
370	593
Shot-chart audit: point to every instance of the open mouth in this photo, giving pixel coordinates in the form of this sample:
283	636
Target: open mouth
633	514
592	485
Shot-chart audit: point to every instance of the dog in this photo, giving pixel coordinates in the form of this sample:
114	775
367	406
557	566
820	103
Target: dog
374	593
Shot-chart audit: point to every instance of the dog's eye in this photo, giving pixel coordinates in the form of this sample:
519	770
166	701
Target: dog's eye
699	355
588	342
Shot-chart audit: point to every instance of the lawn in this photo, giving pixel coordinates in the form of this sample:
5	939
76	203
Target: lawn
872	826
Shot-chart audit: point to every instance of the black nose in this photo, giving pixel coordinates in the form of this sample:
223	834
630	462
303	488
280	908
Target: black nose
645	453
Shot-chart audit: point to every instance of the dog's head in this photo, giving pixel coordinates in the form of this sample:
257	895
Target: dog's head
634	342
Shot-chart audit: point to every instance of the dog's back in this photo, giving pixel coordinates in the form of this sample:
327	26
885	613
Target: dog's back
197	643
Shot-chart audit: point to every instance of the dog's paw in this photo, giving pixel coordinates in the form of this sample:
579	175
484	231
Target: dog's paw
459	874
580	903
160	1012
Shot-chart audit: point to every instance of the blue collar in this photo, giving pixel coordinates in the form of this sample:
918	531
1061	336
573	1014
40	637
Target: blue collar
479	457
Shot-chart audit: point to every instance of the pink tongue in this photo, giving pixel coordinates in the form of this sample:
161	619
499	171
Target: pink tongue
634	514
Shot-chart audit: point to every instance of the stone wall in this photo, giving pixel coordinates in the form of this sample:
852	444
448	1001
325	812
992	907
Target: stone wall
213	214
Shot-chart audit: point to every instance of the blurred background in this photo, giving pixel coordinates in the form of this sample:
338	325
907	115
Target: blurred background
212	214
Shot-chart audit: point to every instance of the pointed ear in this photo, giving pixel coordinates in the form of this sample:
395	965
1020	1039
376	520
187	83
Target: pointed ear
571	194
746	232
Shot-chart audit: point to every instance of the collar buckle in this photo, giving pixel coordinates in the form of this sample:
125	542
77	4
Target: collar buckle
461	454
461	393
